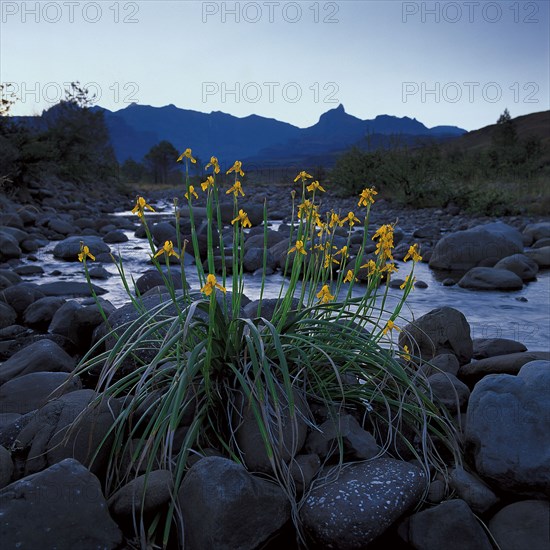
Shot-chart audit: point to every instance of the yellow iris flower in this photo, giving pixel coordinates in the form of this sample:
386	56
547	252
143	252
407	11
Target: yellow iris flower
191	192
324	295
303	175
140	206
299	248
314	185
237	168
186	154
168	249
208	183
243	218
214	163
390	325
236	189
367	196
211	285
413	253
351	218
84	253
350	277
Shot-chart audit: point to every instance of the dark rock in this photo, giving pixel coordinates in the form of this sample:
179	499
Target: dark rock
6	467
69	248
41	356
44	435
365	499
291	431
152	278
436	491
65	506
479	497
536	231
115	236
39	314
254	259
449	391
542	242
524	267
145	494
510	363
445	362
489	347
420	284
28	269
466	249
8	316
30	391
522	525
9	247
70	288
98	272
257	241
450	525
358	443
61	226
540	255
490	278
508	417
21	296
303	469
442	330
226	508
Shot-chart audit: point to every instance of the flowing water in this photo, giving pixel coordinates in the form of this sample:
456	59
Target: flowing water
522	315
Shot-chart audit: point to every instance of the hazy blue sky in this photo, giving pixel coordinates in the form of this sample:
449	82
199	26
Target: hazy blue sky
446	62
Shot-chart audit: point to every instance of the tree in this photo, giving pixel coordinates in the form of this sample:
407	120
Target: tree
161	160
132	171
504	134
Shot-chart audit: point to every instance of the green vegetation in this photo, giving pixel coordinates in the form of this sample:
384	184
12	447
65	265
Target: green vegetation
188	369
70	142
504	178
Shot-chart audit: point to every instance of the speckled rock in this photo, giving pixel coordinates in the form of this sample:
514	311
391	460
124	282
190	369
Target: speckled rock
65	507
361	503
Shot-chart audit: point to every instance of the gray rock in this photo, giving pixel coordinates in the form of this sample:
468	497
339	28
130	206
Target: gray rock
61	226
44	435
449	391
466	249
28	269
358	443
152	278
490	278
42	355
40	313
6	467
540	255
65	507
257	240
524	267
489	347
479	497
267	308
69	248
442	330
545	241
144	494
436	491
522	525
226	508
98	272
450	525
508	417
510	363
365	499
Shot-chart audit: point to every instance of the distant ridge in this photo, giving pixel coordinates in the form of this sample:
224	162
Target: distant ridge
258	140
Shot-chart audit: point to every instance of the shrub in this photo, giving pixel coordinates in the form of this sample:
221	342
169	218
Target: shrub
186	369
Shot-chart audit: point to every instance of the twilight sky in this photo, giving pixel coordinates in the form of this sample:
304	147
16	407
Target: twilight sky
445	62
